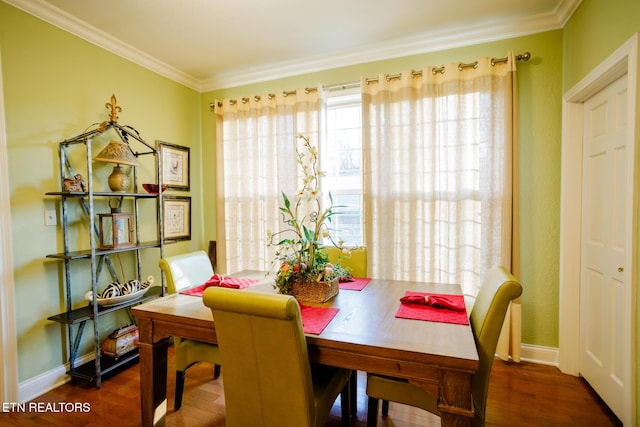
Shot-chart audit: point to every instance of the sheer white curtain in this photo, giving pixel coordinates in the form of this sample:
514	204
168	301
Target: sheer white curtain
438	150
255	150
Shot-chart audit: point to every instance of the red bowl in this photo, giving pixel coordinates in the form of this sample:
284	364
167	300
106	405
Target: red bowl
153	188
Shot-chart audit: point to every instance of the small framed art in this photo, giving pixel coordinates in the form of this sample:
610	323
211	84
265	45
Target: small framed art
175	165
176	213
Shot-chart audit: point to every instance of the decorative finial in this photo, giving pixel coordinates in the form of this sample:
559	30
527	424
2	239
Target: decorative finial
115	109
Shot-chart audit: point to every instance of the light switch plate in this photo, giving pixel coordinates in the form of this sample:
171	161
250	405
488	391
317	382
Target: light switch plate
50	217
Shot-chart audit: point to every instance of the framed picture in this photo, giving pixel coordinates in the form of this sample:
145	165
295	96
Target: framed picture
176	217
175	165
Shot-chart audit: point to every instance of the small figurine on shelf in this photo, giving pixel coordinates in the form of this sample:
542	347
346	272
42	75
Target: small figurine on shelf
75	184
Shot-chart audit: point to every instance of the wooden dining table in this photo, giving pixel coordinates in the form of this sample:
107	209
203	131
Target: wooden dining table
364	335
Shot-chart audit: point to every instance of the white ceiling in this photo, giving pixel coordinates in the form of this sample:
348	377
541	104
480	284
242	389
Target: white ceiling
211	44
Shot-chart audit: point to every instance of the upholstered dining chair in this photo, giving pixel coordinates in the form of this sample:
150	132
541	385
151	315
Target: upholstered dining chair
355	260
497	290
181	272
268	379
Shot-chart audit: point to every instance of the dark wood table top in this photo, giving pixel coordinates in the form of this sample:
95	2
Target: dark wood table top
366	323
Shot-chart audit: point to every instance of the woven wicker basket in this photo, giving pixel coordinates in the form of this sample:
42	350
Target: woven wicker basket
313	291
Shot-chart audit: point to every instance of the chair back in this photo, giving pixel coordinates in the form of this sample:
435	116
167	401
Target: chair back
487	316
185	270
356	261
267	374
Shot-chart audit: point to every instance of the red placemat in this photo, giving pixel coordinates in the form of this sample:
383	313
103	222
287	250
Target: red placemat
425	312
229	282
355	284
315	319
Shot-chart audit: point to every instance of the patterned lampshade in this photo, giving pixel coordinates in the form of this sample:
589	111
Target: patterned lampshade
117	152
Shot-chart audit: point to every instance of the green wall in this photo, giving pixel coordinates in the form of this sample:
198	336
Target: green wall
55	86
540	108
596	30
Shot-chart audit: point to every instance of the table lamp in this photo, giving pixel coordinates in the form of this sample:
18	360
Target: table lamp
120	153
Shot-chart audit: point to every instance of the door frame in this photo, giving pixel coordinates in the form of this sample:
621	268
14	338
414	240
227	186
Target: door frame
623	60
8	338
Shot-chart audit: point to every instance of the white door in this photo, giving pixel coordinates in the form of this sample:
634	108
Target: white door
607	212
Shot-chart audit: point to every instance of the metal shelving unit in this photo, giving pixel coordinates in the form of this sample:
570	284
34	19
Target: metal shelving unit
76	318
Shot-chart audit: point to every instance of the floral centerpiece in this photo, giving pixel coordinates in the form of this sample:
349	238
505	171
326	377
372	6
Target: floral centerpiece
302	262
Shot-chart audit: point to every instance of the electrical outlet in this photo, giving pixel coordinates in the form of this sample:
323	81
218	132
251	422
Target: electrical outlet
50	217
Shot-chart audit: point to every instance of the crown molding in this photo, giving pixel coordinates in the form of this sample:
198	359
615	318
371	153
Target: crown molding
565	9
425	43
58	18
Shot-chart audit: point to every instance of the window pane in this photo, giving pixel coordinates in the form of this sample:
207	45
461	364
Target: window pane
346	228
341	158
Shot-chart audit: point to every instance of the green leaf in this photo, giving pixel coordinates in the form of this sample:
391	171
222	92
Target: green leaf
309	234
287	203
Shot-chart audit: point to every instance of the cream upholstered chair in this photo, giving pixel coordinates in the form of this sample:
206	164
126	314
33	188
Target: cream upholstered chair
183	271
497	290
268	379
356	260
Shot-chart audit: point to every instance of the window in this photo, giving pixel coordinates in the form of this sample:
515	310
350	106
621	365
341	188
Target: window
341	157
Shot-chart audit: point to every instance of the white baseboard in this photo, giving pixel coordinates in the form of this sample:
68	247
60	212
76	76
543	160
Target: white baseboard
539	354
39	385
47	381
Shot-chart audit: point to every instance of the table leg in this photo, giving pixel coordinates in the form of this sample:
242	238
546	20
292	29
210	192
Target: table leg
455	402
153	382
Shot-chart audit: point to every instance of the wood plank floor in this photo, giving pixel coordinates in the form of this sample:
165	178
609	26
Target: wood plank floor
524	394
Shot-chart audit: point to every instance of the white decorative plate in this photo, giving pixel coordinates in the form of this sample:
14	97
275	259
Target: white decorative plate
107	302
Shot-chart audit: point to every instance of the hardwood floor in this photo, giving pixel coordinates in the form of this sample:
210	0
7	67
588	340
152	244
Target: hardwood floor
524	394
